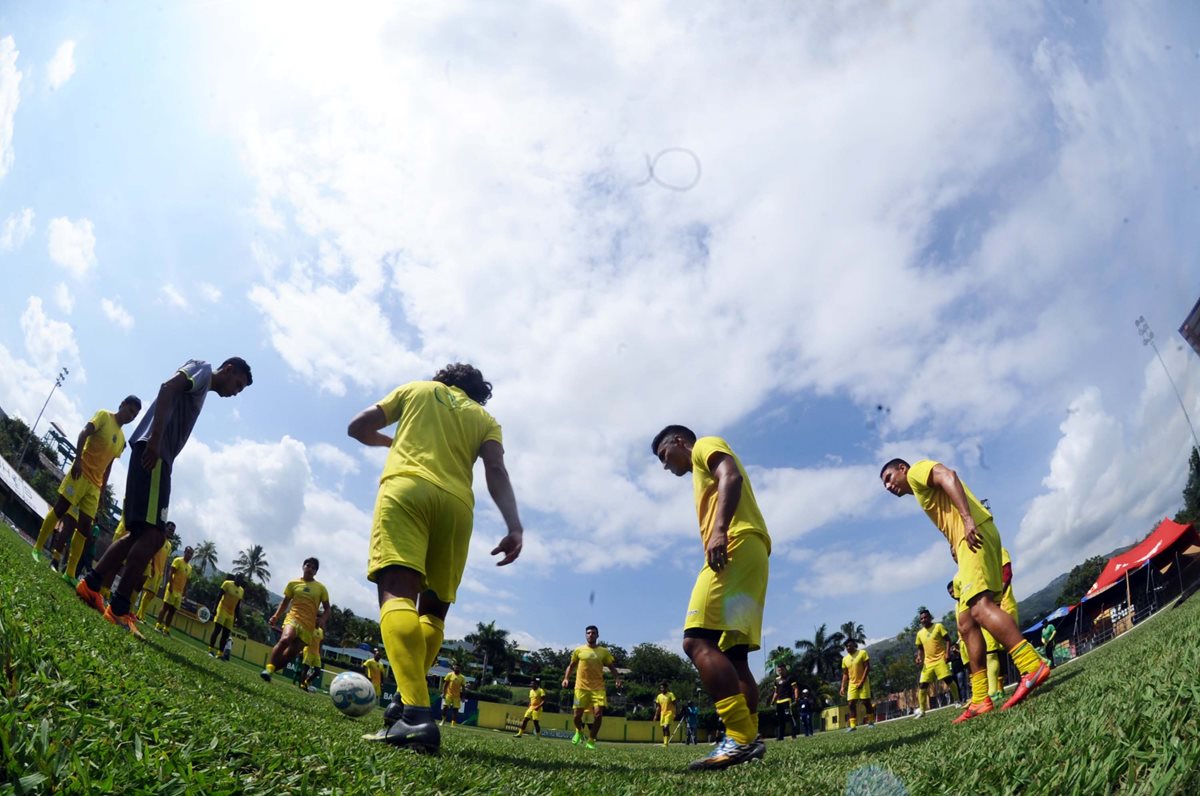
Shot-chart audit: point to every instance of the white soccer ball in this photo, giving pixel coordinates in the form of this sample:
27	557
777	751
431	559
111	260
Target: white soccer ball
352	694
203	614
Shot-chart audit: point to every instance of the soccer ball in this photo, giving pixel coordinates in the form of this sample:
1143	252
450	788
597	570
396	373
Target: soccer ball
352	694
204	614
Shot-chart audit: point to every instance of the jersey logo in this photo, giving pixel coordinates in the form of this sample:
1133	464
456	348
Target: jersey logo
447	398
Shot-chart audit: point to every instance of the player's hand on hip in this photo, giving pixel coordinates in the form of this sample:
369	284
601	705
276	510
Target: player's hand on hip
510	546
76	468
717	550
150	456
971	535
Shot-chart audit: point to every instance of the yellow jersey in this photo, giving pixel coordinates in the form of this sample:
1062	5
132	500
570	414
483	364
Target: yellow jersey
452	686
934	642
589	676
856	665
666	703
536	697
180	572
938	507
374	670
101	447
231	595
1008	602
306	597
155	567
438	436
746	517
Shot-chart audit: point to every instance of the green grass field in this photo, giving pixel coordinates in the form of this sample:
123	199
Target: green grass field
86	708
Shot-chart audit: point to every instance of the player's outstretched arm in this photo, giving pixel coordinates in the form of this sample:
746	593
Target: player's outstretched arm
500	488
366	425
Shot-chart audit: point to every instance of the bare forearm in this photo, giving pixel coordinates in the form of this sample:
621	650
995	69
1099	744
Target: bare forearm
729	494
500	488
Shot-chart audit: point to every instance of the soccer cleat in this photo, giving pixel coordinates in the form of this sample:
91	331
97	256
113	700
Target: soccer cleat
394	710
212	653
68	579
415	730
760	748
974	710
851	728
918	713
591	744
1027	684
577	738
728	753
265	675
997	697
90	597
125	621
37	557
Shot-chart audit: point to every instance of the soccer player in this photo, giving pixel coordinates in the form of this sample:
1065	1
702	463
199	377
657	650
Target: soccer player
1048	633
82	550
452	688
975	545
856	683
153	575
310	663
421	529
664	710
723	623
537	698
932	644
157	441
229	611
374	670
99	443
302	598
691	718
785	691
807	706
181	570
591	661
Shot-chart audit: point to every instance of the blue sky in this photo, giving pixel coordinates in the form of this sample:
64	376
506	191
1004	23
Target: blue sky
918	230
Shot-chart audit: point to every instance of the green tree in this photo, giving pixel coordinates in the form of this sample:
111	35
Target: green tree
782	655
850	630
1080	579
252	563
205	556
1190	513
650	664
822	653
491	643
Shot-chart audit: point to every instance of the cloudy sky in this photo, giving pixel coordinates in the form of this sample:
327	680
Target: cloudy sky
832	234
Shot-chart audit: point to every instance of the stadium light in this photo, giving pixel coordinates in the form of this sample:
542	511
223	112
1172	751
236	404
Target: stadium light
1147	336
58	381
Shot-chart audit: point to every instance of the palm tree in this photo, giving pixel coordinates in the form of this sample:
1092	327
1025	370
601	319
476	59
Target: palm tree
492	641
822	654
205	556
252	563
850	630
782	656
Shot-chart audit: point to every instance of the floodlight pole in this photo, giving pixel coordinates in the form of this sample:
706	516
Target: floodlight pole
62	376
1148	339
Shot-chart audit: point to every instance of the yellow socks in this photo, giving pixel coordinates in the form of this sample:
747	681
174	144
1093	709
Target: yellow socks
432	630
405	644
77	543
923	699
270	668
954	690
737	719
44	532
979	690
754	718
993	673
1025	657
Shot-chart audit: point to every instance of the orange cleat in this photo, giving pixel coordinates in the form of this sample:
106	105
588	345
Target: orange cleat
127	621
1027	684
92	598
974	710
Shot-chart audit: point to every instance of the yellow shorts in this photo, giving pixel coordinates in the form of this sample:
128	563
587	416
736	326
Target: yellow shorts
666	719
534	713
732	600
590	698
935	671
979	570
303	633
315	660
81	493
172	599
225	621
858	691
451	702
422	527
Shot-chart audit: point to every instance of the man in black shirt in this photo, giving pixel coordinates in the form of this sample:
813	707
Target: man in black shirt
786	692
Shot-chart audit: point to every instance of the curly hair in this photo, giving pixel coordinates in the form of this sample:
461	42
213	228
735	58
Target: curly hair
468	379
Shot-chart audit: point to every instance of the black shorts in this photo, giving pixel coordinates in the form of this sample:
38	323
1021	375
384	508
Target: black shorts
147	492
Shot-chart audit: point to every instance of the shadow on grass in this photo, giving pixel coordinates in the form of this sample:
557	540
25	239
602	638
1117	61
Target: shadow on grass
592	763
1057	678
886	743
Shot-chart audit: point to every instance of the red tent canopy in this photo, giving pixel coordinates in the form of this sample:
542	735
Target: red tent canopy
1159	541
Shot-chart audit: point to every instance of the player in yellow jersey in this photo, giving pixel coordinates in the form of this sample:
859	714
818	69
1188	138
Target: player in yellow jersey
664	710
310	662
302	599
99	443
452	688
180	572
227	613
153	574
589	661
374	671
975	545
932	644
856	683
724	616
537	698
421	529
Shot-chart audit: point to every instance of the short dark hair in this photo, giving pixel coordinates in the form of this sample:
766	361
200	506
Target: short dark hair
316	564
663	684
950	586
924	611
891	464
850	641
592	627
672	431
466	378
237	363
133	399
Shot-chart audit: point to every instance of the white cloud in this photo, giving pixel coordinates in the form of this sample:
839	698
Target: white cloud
24	389
10	98
17	229
173	297
209	291
62	65
51	344
845	570
116	313
335	458
72	244
63	298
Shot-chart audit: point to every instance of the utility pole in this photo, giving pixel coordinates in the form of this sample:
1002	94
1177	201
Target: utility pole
58	381
1148	339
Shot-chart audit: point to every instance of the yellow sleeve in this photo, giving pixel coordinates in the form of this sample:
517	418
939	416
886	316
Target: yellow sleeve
289	589
609	660
705	447
324	596
575	655
494	433
918	474
393	404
